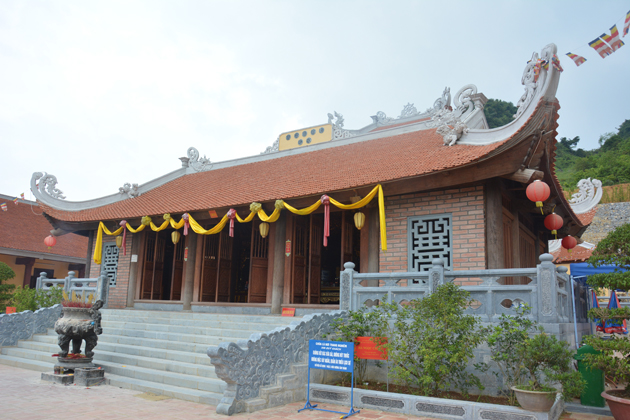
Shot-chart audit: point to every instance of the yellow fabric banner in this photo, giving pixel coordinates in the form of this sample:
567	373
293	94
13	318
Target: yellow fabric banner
139	229
160	228
305	211
196	227
98	247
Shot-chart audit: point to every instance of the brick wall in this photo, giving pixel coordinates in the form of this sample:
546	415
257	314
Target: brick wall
466	205
118	293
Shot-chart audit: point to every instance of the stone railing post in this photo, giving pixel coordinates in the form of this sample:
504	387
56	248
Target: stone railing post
43	276
345	287
102	288
67	282
547	290
436	274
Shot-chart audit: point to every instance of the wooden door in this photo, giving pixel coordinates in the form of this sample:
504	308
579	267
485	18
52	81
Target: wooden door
158	270
178	270
315	258
300	249
209	268
508	261
259	260
149	262
347	224
225	266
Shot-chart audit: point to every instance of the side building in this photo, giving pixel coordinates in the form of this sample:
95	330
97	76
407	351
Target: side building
23	228
439	183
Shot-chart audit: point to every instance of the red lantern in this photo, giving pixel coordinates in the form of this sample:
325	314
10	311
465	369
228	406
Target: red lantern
50	241
554	223
538	191
569	242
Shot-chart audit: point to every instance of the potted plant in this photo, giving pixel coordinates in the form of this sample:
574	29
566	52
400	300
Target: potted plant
546	362
614	352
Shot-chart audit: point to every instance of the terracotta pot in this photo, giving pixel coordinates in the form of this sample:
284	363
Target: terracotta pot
620	407
535	400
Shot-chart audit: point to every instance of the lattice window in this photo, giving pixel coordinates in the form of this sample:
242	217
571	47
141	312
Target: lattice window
429	237
110	262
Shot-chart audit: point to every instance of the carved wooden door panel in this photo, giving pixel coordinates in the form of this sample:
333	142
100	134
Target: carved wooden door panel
315	269
225	266
346	237
178	271
209	268
257	292
149	262
158	269
300	261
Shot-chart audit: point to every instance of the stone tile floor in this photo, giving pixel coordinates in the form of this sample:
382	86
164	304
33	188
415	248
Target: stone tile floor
23	396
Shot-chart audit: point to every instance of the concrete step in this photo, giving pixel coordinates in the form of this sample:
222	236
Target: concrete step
188	363
141	315
240	331
186	394
256	323
29	364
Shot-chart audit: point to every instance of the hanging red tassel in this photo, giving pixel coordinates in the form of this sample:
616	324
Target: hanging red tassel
231	214
123	223
186	224
326	203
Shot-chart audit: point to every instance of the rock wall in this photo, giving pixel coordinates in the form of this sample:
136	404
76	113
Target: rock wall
608	217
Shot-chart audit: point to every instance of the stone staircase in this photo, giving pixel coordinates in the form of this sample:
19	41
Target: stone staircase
154	351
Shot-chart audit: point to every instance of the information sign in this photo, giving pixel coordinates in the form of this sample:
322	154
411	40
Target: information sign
288	311
371	348
11	309
331	355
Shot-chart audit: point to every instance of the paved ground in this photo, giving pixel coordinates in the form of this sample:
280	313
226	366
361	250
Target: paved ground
23	396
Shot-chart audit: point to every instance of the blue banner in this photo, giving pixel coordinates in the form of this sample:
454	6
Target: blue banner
331	355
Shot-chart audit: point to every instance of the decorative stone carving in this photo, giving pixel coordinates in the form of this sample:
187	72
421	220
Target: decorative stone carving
452	134
409	110
130	189
464	98
22	325
337	126
338	123
273	148
197	163
531	81
588	196
444	101
382	119
247	366
47	184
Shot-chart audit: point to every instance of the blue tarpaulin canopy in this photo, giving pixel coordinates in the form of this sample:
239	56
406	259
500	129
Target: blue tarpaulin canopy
585	269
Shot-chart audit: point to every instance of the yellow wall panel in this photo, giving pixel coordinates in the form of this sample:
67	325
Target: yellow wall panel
305	137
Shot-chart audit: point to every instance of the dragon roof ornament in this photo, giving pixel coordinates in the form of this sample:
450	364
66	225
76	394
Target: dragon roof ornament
197	163
534	76
130	189
588	196
46	184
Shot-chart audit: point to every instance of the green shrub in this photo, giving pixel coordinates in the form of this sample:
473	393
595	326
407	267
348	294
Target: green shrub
6	273
362	323
26	299
431	341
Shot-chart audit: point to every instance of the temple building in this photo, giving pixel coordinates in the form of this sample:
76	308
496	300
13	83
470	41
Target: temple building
260	233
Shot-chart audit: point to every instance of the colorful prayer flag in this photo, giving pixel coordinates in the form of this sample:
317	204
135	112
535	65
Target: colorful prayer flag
577	59
613	39
556	63
15	201
22	196
4	206
601	47
626	26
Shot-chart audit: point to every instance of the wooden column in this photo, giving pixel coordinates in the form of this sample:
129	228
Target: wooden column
374	234
278	264
494	224
90	251
28	263
189	270
133	269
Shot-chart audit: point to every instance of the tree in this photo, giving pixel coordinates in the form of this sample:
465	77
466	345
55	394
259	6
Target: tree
624	129
6	273
498	112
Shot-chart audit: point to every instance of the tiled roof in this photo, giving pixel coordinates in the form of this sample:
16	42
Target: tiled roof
23	227
587	218
578	254
319	171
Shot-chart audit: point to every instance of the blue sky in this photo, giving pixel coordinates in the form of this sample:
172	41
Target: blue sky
103	93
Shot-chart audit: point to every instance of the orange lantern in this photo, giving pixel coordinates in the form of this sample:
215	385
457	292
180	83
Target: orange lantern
569	242
50	241
538	191
554	223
